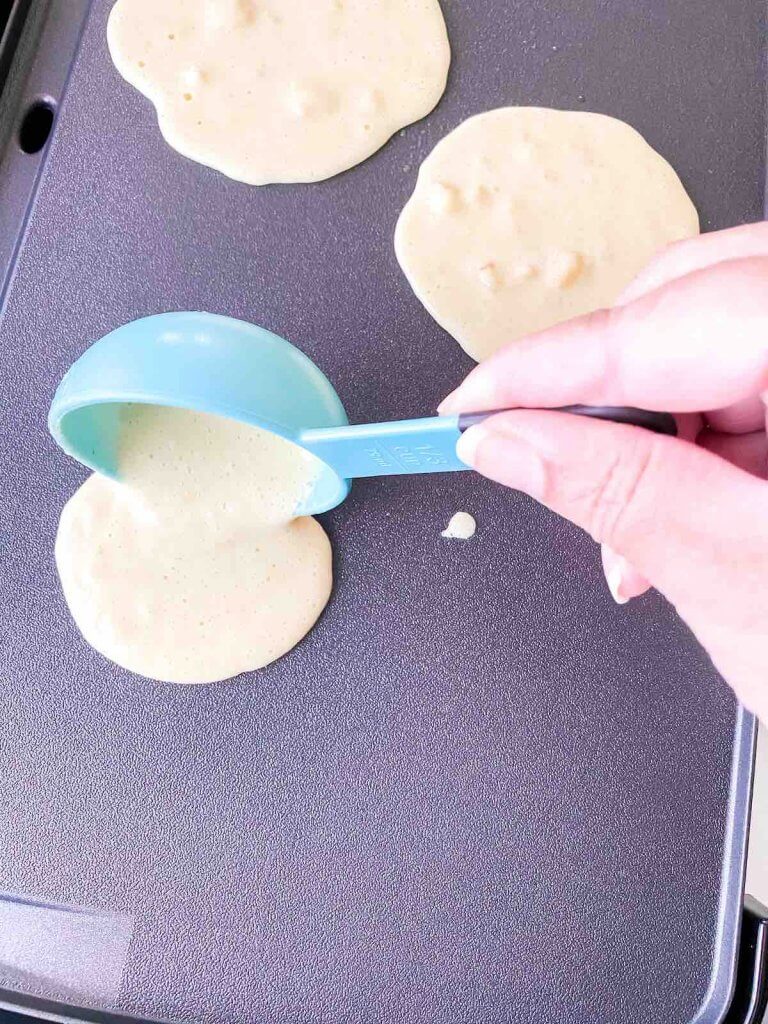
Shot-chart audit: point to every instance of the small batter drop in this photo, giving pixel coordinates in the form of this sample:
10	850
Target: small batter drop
282	90
193	567
461	527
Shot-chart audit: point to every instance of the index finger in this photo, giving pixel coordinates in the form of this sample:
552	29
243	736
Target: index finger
697	342
695	253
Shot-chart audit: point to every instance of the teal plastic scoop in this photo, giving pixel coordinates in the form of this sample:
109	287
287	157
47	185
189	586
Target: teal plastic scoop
218	365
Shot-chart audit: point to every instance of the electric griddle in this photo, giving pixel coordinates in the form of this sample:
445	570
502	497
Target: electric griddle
478	791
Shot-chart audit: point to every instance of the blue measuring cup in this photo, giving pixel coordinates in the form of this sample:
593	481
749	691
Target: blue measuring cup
214	364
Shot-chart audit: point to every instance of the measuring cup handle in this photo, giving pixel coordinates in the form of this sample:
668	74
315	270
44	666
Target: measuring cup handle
658	422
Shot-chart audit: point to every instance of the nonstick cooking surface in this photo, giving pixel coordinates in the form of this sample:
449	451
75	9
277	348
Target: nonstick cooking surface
478	791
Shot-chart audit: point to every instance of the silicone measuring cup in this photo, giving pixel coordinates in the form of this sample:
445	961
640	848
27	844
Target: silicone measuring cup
215	364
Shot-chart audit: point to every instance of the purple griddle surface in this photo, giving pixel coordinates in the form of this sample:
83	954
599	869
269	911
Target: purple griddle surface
479	791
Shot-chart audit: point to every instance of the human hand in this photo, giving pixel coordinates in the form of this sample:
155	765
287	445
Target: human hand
688	515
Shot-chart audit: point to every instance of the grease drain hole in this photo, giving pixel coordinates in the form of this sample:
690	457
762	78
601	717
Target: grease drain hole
36	126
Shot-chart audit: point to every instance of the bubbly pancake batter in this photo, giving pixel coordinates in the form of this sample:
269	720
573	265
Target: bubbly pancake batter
523	217
282	90
193	568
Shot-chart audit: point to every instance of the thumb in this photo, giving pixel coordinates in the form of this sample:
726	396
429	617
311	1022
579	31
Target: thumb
686	520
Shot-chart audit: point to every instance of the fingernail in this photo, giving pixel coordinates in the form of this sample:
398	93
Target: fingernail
504	457
466	446
448	403
472	394
615	579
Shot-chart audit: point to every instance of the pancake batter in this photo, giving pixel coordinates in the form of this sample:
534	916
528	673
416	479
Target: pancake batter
523	217
462	526
193	568
282	90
